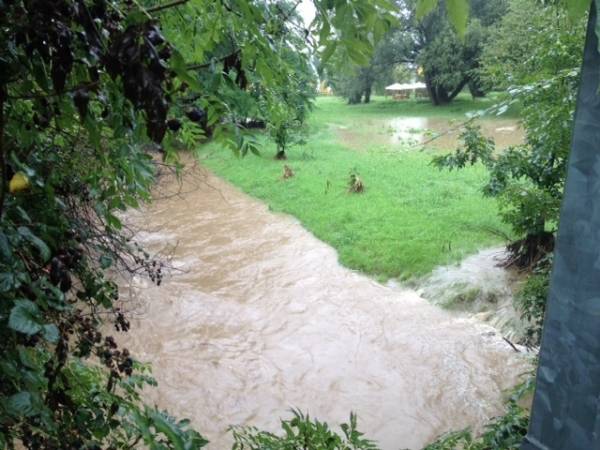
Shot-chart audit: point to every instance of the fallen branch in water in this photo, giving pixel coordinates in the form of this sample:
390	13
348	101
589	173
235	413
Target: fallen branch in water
514	347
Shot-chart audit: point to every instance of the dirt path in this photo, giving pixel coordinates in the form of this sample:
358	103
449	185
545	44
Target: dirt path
261	318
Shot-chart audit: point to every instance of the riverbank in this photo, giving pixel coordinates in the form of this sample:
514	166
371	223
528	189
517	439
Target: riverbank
411	217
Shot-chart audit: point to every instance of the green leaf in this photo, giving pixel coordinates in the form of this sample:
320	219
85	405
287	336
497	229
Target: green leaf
7	281
424	7
20	404
105	261
28	357
113	221
93	129
4	246
577	8
325	28
328	52
458	13
163	425
50	333
135	17
255	151
26	233
178	65
24	317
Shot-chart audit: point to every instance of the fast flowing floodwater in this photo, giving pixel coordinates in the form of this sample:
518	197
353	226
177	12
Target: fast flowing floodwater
433	132
482	286
259	317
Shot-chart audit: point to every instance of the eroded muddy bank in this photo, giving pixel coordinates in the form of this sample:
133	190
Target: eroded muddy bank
260	317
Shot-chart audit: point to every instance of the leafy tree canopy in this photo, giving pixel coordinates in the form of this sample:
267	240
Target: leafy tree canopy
449	62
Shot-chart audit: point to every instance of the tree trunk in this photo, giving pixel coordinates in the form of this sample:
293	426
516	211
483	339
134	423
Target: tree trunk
367	94
441	96
476	89
437	94
355	98
431	91
458	89
280	155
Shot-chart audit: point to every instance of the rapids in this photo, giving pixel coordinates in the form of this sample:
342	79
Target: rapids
257	316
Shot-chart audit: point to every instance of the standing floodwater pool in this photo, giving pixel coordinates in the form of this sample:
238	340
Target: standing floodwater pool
435	133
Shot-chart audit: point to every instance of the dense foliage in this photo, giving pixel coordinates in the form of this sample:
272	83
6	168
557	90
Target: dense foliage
451	62
286	106
267	59
531	300
358	82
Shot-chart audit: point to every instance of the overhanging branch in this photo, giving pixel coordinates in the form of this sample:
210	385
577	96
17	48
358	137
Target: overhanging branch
160	8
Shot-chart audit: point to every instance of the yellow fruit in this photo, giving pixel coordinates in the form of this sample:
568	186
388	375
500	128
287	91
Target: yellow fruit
18	183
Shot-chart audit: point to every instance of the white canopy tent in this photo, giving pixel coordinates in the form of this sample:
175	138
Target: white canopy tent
405	86
403	90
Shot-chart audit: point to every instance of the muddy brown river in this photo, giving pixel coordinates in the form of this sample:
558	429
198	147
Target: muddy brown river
258	317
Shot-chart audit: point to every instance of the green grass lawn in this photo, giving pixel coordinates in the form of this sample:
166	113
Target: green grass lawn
330	107
410	219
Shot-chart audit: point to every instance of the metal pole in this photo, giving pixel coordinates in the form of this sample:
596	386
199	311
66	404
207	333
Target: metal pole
566	406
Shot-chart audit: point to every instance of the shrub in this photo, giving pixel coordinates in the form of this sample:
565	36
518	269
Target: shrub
531	301
301	432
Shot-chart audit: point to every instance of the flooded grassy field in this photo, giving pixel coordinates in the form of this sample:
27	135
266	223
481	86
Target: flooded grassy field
417	133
